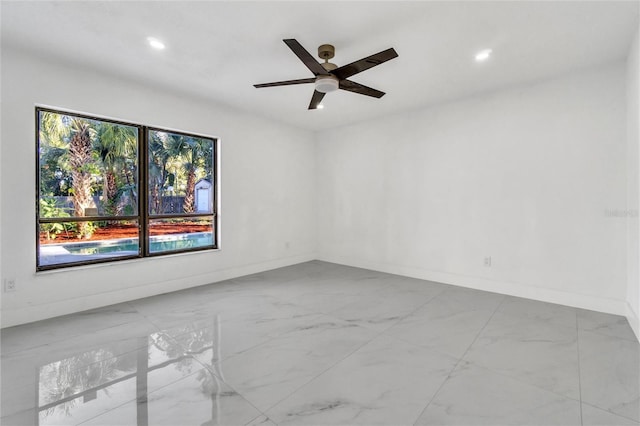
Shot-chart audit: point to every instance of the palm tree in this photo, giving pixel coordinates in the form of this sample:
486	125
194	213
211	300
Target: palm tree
53	146
80	161
70	137
182	155
53	129
193	152
158	173
115	144
188	205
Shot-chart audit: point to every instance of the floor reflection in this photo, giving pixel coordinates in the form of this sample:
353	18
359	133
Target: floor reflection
158	361
89	384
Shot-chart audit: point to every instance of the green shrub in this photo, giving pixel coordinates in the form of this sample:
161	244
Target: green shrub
48	209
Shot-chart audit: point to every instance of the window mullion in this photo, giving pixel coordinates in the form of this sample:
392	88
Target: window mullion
143	178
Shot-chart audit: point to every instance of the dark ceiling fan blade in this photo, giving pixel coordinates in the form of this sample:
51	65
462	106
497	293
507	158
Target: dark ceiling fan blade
316	99
313	65
363	64
361	89
286	83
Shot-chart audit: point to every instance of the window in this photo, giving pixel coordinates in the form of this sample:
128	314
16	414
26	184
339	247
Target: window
95	176
181	197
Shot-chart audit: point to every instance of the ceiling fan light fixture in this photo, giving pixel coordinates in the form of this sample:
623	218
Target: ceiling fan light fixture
326	84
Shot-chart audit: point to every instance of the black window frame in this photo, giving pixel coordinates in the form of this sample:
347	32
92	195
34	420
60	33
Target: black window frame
143	216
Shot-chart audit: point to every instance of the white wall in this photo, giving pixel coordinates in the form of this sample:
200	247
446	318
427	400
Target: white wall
633	186
523	175
268	175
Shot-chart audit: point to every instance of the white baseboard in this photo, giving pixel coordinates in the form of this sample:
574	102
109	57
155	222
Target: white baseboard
634	320
594	303
12	317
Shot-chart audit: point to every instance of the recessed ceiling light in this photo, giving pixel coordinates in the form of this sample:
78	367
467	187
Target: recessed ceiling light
155	43
483	55
320	106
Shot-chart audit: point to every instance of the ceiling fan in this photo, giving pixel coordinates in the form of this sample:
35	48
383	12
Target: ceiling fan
329	77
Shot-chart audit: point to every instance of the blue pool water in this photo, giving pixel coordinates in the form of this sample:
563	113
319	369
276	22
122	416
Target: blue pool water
53	254
130	245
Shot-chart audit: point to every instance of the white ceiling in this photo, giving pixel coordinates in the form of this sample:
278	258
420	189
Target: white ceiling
218	50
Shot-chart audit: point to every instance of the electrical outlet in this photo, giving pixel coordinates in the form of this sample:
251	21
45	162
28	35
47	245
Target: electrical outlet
9	285
487	261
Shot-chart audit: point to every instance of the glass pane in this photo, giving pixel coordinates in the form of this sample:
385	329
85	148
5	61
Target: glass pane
180	173
87	167
180	234
61	242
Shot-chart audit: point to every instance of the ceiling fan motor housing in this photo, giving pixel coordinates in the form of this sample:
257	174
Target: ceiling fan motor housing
327	83
326	51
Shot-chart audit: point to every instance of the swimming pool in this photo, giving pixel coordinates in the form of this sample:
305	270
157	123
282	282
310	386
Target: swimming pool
157	244
52	254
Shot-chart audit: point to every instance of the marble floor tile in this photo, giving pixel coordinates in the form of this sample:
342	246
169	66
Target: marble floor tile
406	288
379	312
114	340
448	323
610	373
257	307
387	381
159	305
308	274
261	421
77	408
466	298
476	396
18	401
66	385
27	417
610	325
320	343
22	337
71	394
268	373
21	372
329	295
592	416
536	310
180	319
537	352
197	399
214	338
194	298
